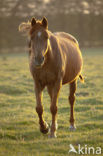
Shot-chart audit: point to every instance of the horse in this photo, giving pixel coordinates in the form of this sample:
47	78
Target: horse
55	59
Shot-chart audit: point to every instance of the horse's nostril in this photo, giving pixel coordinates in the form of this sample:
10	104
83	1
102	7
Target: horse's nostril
42	58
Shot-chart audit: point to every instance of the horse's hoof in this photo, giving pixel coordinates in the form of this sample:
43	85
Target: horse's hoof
52	135
72	128
45	128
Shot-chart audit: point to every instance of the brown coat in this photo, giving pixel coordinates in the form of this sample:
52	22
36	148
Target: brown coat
63	58
55	59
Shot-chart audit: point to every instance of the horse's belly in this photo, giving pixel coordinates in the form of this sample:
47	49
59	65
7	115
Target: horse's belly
70	77
72	70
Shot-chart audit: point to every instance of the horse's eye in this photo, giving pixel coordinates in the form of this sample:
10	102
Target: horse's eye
46	36
31	37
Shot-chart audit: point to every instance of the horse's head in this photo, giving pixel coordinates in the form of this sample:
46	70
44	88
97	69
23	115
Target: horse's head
39	38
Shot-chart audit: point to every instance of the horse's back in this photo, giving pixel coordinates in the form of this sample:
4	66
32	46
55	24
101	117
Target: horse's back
66	36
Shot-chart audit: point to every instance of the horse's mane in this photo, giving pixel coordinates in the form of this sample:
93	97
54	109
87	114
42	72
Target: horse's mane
24	26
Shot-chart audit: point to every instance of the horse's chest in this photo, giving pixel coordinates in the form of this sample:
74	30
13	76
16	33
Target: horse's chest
46	77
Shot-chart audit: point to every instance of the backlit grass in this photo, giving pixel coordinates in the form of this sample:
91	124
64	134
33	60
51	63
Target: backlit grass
19	129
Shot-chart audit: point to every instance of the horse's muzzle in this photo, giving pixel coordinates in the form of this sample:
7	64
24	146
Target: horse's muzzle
38	62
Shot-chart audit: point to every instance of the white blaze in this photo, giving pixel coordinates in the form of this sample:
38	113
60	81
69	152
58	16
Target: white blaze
39	34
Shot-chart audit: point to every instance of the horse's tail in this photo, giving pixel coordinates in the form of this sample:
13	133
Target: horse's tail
81	78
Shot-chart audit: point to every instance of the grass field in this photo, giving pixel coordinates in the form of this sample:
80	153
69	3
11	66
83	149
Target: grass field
19	130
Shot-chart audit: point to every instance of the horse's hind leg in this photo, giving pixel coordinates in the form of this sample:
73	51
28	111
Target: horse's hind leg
71	101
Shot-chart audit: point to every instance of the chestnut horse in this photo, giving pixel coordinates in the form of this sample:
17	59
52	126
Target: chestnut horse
55	60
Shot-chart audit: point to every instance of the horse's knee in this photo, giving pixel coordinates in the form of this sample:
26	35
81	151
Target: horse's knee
53	109
71	99
39	110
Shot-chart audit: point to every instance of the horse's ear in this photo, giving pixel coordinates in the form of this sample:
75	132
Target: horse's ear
33	21
45	22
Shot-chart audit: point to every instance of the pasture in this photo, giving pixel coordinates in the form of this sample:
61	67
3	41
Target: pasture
19	129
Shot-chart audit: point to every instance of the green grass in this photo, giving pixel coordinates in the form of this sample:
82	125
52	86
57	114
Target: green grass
19	130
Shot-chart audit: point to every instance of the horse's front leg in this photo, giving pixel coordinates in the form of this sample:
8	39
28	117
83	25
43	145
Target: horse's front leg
39	109
54	92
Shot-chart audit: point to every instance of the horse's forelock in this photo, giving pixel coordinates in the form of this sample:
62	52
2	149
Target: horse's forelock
37	26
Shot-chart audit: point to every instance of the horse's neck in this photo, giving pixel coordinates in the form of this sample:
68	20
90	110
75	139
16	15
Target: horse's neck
53	43
53	50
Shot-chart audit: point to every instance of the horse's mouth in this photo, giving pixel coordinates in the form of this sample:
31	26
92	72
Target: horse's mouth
39	65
